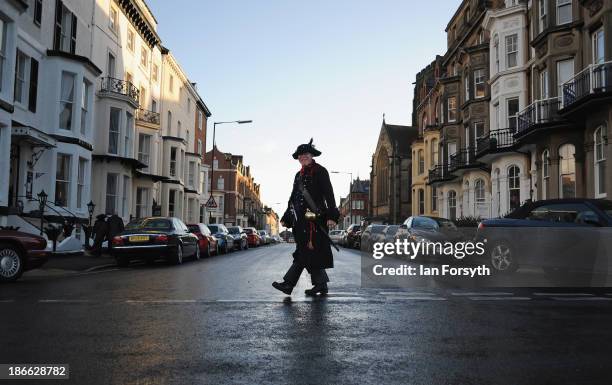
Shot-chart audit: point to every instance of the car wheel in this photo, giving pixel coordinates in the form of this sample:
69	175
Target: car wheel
11	263
197	253
178	256
501	258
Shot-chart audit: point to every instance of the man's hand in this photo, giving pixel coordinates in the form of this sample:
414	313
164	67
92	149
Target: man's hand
331	223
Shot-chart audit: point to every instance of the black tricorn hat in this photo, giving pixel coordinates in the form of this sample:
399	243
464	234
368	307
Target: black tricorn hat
306	148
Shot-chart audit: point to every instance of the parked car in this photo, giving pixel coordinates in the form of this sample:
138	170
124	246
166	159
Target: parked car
225	239
240	237
266	239
253	237
156	236
555	234
372	234
336	236
422	228
20	252
207	242
353	236
390	232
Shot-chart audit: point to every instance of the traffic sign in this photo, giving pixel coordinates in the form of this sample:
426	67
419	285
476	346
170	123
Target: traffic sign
211	204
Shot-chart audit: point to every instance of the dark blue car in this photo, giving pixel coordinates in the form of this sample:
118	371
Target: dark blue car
568	234
224	238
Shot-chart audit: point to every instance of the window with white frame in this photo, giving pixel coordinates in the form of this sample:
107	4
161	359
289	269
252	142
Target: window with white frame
434	198
171	83
479	83
543	12
85	105
598	46
155	73
564	11
421	201
129	127
142	202
20	77
191	175
565	71
65	29
421	160
110	65
81	182
567	171
169	123
452	108
511	51
62	180
200	147
544	84
114	130
479	130
144	56
452	205
600	162
124	198
467	86
113	20
545	173
434	152
479	193
144	149
514	187
66	101
496	46
171	202
200	120
130	40
220	183
112	183
173	161
512	105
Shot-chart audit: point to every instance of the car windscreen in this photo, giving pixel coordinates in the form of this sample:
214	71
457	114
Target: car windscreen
391	230
194	228
378	229
135	224
156	224
249	231
445	224
213	228
234	230
424	223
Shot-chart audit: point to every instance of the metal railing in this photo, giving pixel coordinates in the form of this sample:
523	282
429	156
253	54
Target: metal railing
147	116
463	158
121	87
595	78
438	173
539	112
495	140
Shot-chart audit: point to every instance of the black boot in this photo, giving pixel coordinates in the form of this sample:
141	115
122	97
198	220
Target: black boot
317	289
283	286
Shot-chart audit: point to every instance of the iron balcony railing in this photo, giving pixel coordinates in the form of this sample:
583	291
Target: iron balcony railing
594	79
495	140
438	173
147	116
537	113
463	158
121	87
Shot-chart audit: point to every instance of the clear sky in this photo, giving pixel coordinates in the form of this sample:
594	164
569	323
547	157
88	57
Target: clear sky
326	69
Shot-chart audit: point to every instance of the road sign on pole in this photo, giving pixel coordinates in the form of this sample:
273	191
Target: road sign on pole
211	204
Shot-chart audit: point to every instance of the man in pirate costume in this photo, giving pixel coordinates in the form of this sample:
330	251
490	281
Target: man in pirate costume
310	212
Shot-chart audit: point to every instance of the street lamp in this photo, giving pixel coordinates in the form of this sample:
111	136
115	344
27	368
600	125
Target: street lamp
42	202
350	194
212	161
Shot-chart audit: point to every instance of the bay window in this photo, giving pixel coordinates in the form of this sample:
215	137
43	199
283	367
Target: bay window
66	101
452	108
81	182
114	130
511	51
564	11
600	162
479	83
567	171
112	182
144	149
62	180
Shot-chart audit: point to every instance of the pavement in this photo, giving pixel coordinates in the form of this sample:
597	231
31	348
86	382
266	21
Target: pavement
218	321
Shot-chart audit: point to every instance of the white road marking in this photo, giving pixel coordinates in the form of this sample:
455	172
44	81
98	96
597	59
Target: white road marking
407	293
415	298
564	294
480	294
162	301
582	299
499	298
64	300
6	300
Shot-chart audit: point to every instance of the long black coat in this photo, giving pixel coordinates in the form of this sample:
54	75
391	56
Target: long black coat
316	180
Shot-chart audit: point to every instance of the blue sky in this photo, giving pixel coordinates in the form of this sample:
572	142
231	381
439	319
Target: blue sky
301	69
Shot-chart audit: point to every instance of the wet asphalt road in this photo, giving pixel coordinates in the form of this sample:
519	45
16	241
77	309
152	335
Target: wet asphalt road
218	321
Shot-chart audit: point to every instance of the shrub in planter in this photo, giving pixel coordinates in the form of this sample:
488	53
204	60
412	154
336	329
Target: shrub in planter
53	234
68	227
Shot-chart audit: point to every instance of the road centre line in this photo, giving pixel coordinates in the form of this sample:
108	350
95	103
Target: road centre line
564	294
480	294
487	298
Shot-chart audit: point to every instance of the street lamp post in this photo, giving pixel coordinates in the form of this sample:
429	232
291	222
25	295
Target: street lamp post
212	161
350	194
42	202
